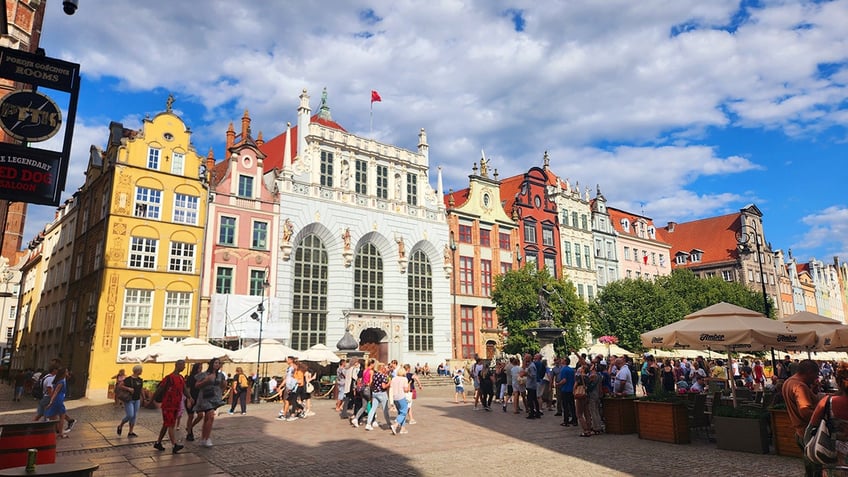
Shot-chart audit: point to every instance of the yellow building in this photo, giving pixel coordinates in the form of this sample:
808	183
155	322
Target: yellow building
135	277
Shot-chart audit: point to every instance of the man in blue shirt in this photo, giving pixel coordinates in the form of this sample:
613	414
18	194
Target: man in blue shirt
566	393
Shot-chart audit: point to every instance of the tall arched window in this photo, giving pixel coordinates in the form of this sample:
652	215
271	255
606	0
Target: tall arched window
309	301
368	279
419	279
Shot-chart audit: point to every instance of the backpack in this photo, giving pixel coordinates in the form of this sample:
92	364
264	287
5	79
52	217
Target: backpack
38	389
457	380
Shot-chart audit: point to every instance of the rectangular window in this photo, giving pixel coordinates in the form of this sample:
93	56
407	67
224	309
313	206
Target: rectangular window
590	292
771	279
653	258
143	253
485	238
598	249
138	308
98	255
411	188
326	169
627	253
574	219
529	232
257	282
488	318
181	258
148	203
224	280
580	290
177	310
153	158
601	278
547	236
361	177
565	217
750	276
382	182
727	275
132	343
465	233
533	259
610	251
588	255
245	186
628	273
466	275
505	267
185	209
578	261
177	163
584	222
260	236
503	241
486	277
467	332
550	264
566	252
227	231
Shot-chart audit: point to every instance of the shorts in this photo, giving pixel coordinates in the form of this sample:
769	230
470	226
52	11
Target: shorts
509	389
169	417
460	389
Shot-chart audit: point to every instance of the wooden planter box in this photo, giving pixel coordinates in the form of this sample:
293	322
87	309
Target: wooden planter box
783	435
620	415
663	421
741	434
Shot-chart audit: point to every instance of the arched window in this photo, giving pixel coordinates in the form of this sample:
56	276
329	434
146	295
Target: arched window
419	279
309	300
368	279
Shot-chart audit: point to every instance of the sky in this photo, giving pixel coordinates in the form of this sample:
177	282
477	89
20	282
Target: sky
677	109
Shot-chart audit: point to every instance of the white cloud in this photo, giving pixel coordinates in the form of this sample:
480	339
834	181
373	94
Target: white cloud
827	230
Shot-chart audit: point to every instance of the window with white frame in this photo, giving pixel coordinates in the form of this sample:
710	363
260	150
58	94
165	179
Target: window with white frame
529	231
368	279
245	186
547	236
309	297
143	253
259	239
177	163
153	158
227	231
132	343
588	256
181	258
138	308
148	203
382	182
185	209
680	258
177	310
10	333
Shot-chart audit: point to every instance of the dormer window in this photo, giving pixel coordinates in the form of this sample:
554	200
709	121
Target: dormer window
625	225
680	258
652	232
696	255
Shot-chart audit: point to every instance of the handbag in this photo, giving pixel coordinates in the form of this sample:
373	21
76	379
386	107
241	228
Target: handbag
579	390
123	395
310	387
820	446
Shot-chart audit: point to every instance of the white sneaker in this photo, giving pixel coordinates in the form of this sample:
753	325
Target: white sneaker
310	413
354	422
206	443
394	431
368	427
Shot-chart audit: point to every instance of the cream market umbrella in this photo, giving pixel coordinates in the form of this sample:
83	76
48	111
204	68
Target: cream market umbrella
730	328
193	349
319	353
822	325
601	349
149	353
272	352
834	340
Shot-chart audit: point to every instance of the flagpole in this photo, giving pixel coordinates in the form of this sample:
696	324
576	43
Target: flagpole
371	120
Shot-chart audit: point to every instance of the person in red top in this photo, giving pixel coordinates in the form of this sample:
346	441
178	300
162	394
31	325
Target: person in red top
759	374
799	393
171	402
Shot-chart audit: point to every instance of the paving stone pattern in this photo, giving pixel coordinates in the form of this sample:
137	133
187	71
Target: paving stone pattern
448	440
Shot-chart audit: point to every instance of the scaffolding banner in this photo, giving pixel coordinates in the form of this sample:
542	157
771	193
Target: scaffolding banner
230	316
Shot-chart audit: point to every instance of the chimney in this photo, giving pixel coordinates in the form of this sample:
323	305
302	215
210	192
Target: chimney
231	136
259	140
671	226
210	162
245	126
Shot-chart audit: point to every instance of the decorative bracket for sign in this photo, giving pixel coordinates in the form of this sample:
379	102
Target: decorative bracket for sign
29	174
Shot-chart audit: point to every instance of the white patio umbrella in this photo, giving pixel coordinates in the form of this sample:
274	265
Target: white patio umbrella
148	353
825	328
272	352
601	349
193	349
319	353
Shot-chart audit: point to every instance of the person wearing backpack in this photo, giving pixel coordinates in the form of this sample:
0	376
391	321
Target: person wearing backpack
42	389
459	383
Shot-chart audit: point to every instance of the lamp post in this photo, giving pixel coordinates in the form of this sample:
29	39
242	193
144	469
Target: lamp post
257	316
454	278
743	239
518	256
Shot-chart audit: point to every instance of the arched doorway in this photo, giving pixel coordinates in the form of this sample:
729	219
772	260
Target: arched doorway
375	342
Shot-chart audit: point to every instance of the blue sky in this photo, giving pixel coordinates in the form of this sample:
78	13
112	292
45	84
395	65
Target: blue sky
681	109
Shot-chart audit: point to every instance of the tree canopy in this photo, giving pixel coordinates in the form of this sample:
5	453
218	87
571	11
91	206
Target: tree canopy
627	308
516	294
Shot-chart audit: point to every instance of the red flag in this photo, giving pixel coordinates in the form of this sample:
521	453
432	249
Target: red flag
375	97
645	258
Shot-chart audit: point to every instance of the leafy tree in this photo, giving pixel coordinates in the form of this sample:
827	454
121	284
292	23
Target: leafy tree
516	294
627	308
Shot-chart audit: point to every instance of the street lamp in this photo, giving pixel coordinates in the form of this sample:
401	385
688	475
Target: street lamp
743	239
260	308
452	247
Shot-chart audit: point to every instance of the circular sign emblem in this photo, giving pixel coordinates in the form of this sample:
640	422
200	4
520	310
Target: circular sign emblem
29	116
